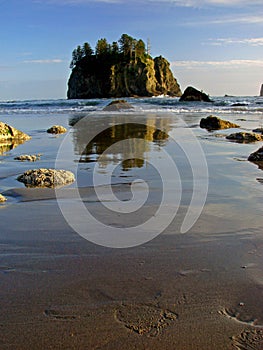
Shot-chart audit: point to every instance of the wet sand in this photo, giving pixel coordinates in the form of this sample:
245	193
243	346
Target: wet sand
201	290
194	291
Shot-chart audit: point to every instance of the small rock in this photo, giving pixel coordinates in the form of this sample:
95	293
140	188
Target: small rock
2	198
46	178
245	137
28	158
215	123
57	129
117	105
256	156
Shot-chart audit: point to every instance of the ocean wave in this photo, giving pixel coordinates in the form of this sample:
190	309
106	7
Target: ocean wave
220	105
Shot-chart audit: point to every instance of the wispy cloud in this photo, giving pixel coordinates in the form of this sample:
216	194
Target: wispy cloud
217	64
44	61
185	3
230	41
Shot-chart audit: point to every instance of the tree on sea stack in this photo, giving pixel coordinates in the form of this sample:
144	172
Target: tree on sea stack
120	69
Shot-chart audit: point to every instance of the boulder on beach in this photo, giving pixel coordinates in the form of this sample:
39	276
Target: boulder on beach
117	105
28	157
256	156
7	132
46	178
2	198
215	123
57	129
245	137
192	94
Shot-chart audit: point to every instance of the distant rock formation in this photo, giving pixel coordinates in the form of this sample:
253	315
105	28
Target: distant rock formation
125	71
261	91
192	94
92	78
215	123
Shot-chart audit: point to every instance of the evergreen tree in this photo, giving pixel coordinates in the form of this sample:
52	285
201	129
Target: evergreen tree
140	48
127	45
102	47
87	50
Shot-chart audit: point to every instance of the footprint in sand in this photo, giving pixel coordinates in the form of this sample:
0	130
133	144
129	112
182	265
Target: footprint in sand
248	340
241	314
145	319
60	315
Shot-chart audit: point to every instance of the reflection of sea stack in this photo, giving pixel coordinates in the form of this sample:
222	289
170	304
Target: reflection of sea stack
261	91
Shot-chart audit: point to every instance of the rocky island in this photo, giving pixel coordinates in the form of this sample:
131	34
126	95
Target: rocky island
121	69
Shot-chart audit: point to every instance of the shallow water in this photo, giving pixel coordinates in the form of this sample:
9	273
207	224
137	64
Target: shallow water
167	152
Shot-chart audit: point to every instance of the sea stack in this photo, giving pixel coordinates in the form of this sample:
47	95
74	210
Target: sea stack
261	91
121	69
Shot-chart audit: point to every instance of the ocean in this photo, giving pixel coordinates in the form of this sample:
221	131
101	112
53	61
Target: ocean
220	105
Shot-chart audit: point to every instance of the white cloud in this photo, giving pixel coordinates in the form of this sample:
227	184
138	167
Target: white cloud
230	41
217	64
45	61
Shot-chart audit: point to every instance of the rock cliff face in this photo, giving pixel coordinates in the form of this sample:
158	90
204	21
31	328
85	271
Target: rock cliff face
94	77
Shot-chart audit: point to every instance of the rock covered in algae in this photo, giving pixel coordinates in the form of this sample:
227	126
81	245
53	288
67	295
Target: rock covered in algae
245	137
215	123
57	129
8	132
46	178
28	157
2	198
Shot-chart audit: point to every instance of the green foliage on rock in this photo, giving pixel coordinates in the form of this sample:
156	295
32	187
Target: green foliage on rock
119	69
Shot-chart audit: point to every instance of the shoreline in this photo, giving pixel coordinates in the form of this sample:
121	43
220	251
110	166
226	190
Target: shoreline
200	290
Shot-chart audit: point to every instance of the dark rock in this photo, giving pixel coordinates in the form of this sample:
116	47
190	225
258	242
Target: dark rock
95	77
261	91
256	156
192	94
239	104
245	137
118	105
46	178
258	130
215	123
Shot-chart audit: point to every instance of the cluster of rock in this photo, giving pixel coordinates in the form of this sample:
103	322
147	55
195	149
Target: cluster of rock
36	177
46	178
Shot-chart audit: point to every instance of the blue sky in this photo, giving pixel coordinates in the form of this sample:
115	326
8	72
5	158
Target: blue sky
214	45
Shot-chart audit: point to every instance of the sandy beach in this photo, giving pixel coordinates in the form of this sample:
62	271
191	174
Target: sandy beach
197	290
